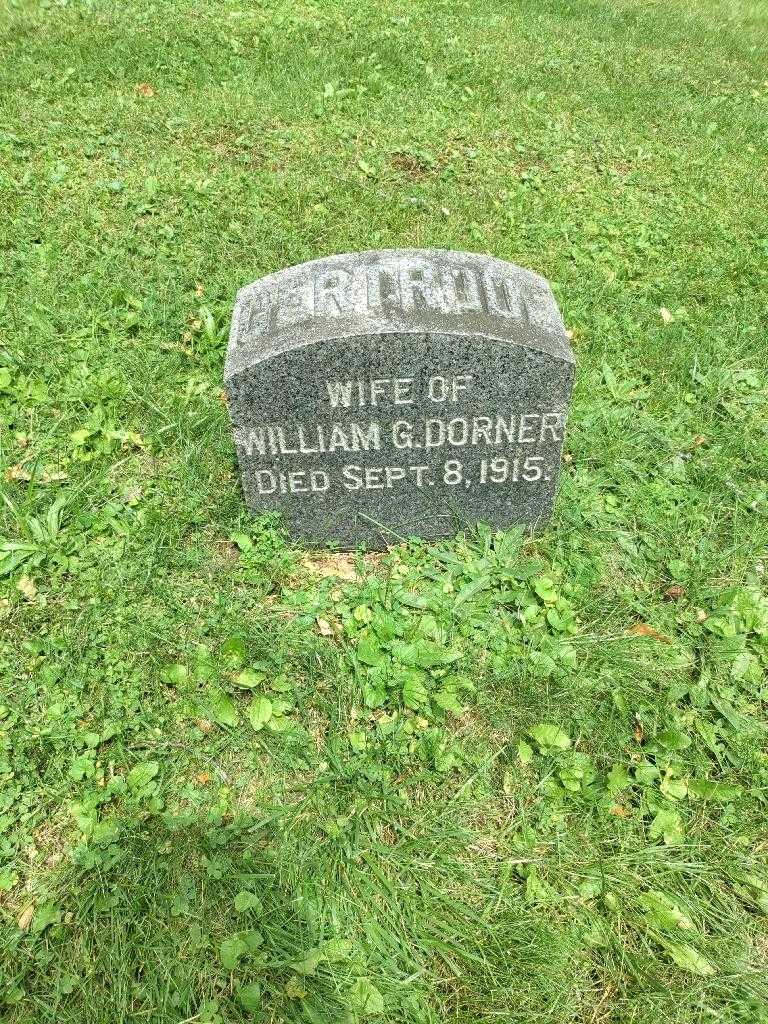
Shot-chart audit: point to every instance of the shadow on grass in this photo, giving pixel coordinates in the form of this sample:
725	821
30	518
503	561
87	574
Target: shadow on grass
335	928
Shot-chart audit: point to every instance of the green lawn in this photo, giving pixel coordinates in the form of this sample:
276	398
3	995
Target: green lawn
482	781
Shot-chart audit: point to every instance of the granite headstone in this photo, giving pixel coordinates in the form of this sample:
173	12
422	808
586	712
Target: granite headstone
397	393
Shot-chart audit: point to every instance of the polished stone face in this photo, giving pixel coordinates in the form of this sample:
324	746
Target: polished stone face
384	395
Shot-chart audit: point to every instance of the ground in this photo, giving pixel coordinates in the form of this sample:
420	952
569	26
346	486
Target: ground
493	779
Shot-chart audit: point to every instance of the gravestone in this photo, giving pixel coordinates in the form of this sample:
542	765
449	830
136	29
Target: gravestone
381	395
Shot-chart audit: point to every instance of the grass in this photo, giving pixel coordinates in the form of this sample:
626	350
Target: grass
233	784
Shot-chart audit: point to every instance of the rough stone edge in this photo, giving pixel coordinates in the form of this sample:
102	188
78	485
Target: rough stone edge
230	375
559	332
388	253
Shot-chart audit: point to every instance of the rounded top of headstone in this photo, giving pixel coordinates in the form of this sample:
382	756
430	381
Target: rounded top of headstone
394	291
